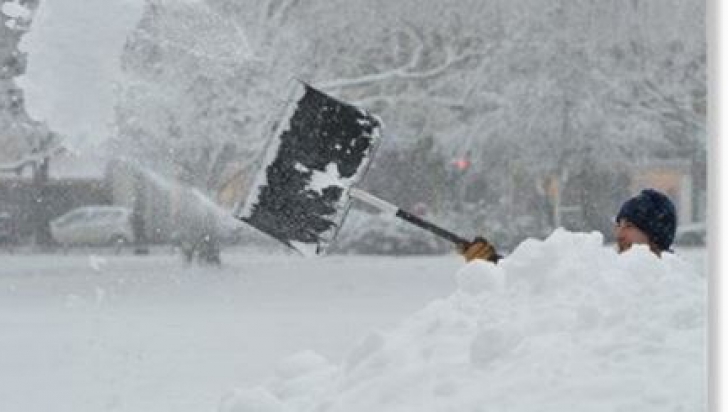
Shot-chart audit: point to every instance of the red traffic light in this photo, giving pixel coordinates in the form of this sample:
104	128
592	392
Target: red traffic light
462	164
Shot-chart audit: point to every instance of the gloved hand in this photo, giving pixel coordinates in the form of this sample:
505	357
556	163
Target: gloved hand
479	249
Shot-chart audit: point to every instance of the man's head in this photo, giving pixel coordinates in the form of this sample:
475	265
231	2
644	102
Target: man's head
648	218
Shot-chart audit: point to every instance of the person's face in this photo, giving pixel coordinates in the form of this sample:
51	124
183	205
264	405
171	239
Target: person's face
628	234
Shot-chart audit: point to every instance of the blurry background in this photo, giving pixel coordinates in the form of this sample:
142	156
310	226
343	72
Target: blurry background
502	118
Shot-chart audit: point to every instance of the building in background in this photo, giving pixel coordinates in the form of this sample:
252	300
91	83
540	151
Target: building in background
74	180
571	200
673	178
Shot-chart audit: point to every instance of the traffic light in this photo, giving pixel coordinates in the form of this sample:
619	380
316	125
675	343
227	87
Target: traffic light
462	164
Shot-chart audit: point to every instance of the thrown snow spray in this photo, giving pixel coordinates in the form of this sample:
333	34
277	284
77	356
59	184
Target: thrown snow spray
74	50
559	325
197	211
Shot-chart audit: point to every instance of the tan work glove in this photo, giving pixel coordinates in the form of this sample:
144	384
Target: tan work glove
479	249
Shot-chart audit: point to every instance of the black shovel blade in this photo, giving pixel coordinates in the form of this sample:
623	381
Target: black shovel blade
322	148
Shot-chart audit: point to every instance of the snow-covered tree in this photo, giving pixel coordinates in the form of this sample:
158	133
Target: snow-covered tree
27	145
24	141
532	92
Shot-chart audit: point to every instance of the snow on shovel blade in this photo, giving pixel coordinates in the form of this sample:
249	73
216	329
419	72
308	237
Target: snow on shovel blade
322	148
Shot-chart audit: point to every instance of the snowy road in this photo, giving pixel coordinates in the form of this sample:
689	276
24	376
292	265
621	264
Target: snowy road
123	333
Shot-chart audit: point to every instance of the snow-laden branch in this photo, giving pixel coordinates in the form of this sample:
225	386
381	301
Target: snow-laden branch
242	37
672	109
408	70
402	72
31	159
393	100
278	14
223	63
676	114
215	45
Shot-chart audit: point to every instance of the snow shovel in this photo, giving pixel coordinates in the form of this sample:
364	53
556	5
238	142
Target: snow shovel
319	152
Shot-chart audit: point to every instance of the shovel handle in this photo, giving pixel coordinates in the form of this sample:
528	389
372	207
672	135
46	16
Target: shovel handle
431	227
387	207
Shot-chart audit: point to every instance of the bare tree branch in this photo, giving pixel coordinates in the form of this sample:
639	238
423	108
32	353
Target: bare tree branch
401	72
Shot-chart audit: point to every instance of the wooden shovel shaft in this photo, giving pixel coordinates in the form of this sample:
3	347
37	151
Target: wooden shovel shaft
387	207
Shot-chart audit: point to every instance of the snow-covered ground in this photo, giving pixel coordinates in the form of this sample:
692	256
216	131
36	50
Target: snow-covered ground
560	324
97	332
92	331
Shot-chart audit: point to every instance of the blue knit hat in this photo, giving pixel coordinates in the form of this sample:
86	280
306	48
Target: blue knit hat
653	213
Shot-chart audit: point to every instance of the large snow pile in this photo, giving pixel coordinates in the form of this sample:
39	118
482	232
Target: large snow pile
561	324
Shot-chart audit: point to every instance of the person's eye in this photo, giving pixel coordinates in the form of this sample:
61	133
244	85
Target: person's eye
623	225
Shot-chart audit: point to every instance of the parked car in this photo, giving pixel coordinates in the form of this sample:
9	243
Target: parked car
94	225
692	234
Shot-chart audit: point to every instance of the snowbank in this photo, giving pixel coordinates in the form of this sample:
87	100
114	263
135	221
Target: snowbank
561	324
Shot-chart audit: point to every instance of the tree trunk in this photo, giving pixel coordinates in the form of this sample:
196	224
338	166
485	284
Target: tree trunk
40	214
138	215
